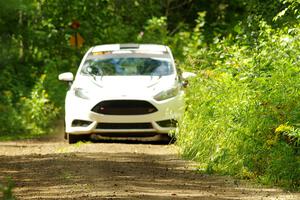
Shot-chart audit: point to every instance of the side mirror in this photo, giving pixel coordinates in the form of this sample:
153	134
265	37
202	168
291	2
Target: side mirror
186	76
67	76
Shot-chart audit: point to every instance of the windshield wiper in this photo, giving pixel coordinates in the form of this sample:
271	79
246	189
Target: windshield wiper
153	74
94	75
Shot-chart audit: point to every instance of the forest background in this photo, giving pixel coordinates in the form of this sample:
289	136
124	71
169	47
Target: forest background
243	107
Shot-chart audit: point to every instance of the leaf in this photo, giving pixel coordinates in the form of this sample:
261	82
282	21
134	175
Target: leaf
280	14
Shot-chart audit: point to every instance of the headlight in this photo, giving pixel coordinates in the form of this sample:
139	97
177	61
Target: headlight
81	93
167	94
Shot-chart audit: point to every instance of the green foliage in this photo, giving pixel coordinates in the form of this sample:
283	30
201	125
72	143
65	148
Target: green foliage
243	107
155	31
9	115
37	111
243	111
6	190
32	115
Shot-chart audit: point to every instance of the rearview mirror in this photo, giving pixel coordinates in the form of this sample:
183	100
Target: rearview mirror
67	76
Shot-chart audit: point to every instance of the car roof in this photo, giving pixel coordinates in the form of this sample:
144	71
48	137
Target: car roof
124	47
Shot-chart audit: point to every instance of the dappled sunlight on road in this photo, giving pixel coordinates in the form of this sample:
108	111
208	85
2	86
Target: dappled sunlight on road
115	171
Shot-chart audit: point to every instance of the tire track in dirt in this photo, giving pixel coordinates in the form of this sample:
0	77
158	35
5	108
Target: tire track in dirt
54	169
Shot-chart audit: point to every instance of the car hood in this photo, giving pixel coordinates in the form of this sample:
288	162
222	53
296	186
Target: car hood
124	86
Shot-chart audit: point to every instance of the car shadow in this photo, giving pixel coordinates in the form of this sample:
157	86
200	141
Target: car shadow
157	139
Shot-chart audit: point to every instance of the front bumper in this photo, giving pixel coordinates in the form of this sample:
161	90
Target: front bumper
80	119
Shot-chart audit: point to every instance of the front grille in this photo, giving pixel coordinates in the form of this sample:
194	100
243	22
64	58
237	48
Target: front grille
124	107
124	126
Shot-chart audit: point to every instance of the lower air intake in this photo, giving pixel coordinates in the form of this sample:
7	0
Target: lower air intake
80	123
124	126
167	123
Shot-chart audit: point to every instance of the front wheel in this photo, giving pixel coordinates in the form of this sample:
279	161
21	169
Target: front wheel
72	138
165	138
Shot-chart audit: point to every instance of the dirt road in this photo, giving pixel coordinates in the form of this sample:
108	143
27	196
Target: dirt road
56	170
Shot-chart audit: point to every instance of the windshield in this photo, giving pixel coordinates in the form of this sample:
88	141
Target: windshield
128	66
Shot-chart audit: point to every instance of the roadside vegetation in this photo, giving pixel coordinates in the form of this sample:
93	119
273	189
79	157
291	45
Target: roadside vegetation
243	107
6	192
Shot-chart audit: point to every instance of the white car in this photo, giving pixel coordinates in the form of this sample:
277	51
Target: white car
123	90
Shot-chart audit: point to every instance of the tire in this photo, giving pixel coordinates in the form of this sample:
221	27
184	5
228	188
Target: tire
72	139
65	133
167	139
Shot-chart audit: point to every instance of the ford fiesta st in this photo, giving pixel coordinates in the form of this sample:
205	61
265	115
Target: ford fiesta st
123	90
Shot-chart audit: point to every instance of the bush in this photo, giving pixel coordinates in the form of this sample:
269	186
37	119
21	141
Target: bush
237	109
37	111
31	115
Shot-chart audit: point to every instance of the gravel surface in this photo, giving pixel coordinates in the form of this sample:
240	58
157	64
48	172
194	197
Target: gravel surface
52	169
